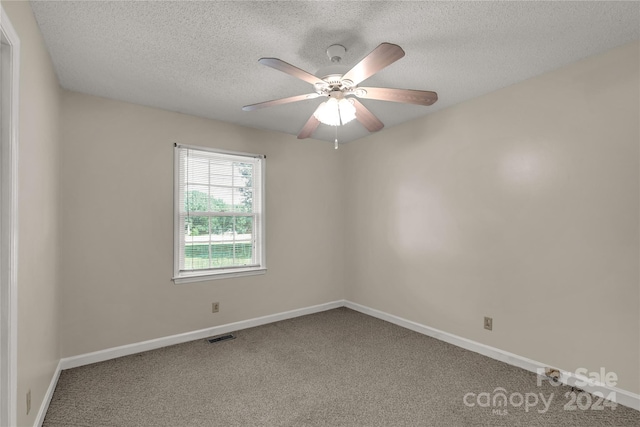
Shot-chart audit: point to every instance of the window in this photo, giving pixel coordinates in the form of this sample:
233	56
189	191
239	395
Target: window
219	215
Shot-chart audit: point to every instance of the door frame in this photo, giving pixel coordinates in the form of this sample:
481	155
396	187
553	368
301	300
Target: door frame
9	106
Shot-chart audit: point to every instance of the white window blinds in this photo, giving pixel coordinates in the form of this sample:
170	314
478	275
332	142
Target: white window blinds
219	212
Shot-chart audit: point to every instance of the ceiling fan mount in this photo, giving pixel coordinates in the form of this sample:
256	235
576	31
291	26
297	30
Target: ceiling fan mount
335	52
338	85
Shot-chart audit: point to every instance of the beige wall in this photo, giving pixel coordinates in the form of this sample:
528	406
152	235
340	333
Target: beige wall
522	205
38	147
117	181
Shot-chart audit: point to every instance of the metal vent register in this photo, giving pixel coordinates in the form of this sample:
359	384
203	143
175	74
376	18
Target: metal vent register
220	338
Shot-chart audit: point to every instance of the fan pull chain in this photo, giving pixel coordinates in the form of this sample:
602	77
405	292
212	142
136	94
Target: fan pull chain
335	144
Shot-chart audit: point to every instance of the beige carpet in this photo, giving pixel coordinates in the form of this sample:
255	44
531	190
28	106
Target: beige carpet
336	368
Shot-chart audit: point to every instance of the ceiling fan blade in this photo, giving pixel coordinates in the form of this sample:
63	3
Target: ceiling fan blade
383	55
309	127
366	117
409	96
285	67
279	101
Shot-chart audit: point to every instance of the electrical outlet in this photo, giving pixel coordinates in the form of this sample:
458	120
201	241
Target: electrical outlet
28	401
488	323
215	307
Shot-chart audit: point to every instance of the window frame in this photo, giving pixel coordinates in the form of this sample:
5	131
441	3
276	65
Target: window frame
182	276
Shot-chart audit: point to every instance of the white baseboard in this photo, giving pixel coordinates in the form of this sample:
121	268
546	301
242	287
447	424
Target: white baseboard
47	397
622	397
126	350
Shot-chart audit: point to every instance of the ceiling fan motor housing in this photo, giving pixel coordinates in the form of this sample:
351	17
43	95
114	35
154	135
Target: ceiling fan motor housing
336	93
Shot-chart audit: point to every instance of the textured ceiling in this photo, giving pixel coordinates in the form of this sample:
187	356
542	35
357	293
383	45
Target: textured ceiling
201	58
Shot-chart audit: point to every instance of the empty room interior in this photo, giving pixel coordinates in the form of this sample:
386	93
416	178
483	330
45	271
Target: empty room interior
388	213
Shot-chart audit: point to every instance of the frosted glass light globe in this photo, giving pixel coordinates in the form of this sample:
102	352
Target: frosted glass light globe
335	112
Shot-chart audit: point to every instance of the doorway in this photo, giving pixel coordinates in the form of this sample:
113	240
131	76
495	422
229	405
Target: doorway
9	85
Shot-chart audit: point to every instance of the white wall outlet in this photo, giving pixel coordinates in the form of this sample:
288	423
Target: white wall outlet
488	323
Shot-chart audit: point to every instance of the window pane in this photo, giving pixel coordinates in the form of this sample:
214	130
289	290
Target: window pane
197	171
218	205
196	228
196	256
243	198
197	198
243	253
222	254
244	227
222	199
221	180
222	167
221	228
243	173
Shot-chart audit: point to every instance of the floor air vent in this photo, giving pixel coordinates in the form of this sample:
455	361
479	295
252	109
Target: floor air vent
222	338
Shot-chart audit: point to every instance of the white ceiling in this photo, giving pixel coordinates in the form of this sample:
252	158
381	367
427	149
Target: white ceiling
201	58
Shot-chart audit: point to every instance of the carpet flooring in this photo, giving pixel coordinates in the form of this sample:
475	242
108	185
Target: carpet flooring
335	368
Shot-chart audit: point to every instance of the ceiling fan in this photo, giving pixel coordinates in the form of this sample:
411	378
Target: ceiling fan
342	89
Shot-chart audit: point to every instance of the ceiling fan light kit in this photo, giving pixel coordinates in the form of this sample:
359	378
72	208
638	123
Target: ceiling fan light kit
335	112
342	89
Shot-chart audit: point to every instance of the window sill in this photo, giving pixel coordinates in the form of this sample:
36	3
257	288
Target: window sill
220	275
